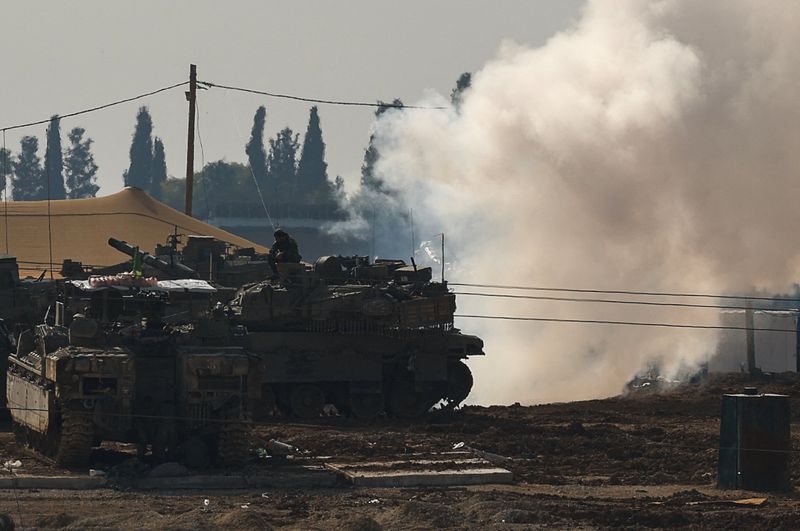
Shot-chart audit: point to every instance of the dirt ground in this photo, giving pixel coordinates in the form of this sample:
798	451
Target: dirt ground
643	460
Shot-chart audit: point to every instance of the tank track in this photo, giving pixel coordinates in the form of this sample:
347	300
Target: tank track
234	446
74	443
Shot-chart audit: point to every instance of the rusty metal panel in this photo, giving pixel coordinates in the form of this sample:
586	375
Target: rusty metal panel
29	404
755	442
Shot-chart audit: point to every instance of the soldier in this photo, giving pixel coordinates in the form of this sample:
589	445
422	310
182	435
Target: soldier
284	250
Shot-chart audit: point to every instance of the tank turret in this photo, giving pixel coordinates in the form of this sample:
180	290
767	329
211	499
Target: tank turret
174	269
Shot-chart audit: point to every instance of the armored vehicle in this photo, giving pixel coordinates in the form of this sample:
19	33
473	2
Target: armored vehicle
366	337
23	303
61	396
132	364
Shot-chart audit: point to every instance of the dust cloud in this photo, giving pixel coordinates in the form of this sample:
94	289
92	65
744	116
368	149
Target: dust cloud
652	146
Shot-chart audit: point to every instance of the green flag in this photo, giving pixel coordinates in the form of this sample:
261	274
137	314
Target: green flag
137	262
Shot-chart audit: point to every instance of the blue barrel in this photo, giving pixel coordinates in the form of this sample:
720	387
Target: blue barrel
754	442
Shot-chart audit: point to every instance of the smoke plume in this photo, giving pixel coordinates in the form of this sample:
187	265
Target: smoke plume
652	146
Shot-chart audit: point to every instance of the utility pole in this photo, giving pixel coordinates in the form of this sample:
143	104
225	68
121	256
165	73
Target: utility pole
750	338
191	97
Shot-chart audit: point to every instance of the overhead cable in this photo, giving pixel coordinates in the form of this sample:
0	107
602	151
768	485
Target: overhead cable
316	100
623	323
97	108
626	292
615	301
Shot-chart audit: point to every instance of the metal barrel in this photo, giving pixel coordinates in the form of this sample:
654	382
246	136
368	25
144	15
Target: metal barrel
175	269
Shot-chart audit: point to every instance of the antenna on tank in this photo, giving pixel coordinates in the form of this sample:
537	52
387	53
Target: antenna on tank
372	252
443	258
413	239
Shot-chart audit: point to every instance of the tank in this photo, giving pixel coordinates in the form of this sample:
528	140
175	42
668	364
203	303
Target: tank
61	396
153	365
23	303
366	337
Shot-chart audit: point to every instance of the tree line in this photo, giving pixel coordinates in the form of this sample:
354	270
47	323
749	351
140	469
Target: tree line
69	173
289	177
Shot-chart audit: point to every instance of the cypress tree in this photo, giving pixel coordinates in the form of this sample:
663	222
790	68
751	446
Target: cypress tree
368	178
139	173
80	166
312	170
282	163
6	167
256	153
159	169
54	162
28	180
339	193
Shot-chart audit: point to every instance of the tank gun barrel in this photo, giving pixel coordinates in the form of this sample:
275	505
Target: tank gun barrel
176	269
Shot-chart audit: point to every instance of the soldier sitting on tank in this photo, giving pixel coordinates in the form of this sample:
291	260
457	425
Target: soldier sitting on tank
284	250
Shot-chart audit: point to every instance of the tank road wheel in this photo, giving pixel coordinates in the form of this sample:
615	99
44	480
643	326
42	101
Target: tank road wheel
459	383
233	445
307	401
73	442
366	405
404	401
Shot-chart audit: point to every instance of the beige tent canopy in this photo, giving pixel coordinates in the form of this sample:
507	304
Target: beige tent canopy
79	229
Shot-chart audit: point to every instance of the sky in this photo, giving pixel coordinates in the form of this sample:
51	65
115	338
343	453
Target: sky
59	57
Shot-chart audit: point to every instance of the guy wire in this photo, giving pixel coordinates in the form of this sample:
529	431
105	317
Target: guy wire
49	224
253	175
5	186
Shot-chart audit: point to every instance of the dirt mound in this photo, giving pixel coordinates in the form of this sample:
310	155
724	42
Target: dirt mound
356	523
241	519
56	521
424	514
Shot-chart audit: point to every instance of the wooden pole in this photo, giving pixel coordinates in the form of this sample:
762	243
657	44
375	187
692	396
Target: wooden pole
751	340
191	96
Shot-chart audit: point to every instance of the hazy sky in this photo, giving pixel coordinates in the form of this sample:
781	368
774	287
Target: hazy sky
58	57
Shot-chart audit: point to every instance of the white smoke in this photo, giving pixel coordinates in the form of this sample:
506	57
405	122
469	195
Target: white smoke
653	146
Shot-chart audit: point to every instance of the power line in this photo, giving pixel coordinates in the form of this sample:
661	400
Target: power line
98	108
623	323
316	100
627	292
614	301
